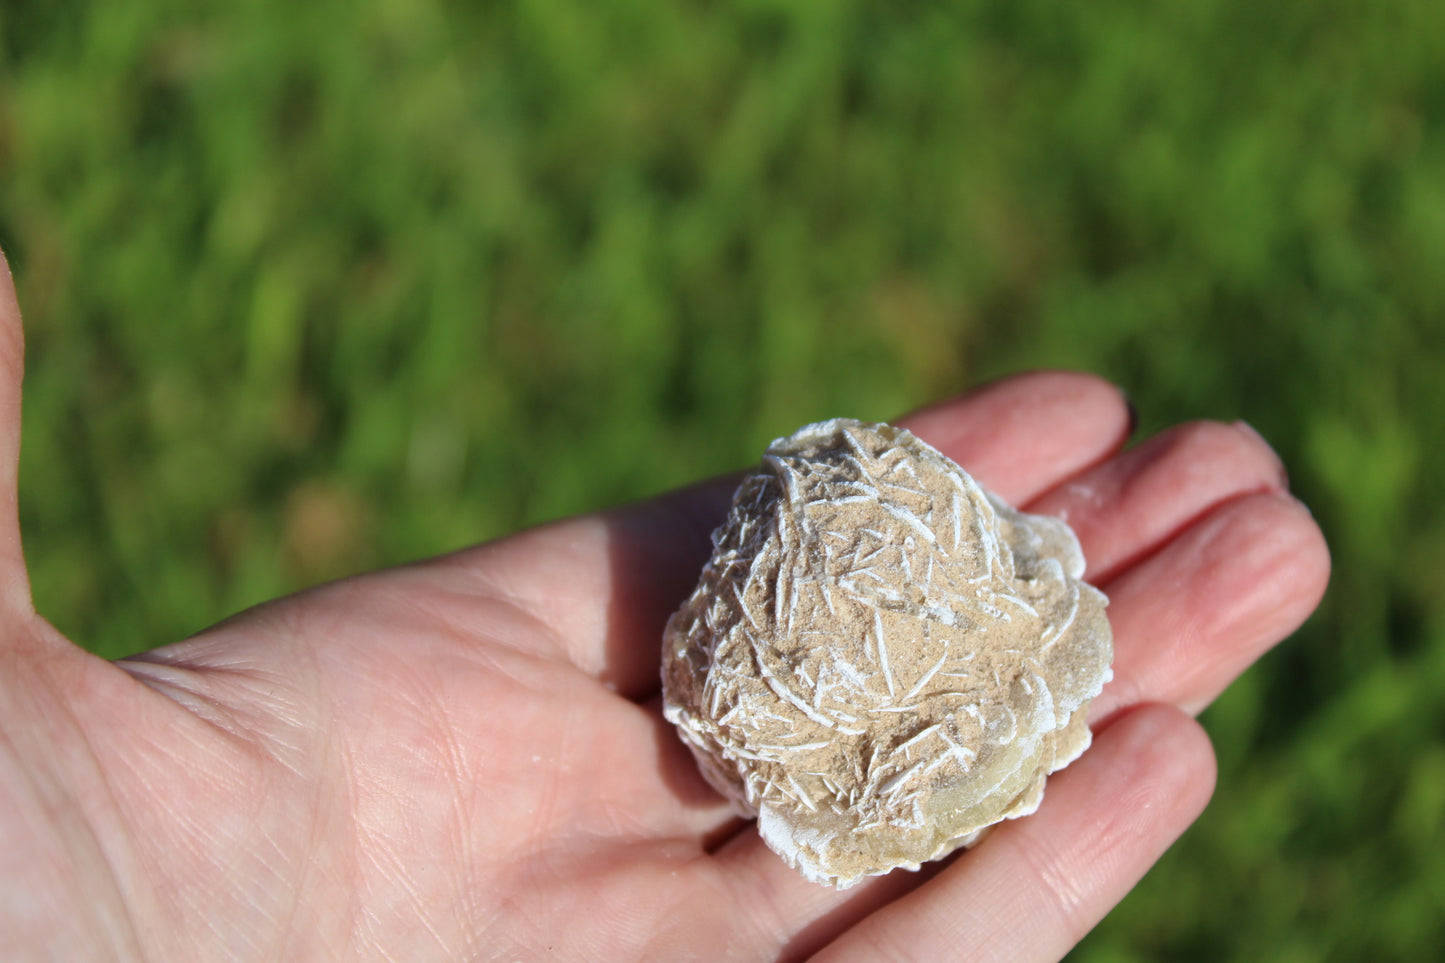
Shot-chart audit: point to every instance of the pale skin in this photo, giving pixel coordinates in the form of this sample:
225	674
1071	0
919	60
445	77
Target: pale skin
464	758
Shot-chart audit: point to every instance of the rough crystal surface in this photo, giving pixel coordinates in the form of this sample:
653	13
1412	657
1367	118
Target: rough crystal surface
881	659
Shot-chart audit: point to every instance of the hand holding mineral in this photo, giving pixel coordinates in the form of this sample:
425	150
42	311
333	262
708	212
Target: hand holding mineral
465	757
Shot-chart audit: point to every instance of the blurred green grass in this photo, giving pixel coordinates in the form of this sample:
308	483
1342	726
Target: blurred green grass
315	287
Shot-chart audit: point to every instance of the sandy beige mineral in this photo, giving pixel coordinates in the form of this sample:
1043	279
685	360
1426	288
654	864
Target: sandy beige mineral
881	659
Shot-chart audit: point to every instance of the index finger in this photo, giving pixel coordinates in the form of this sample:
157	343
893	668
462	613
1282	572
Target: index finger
605	584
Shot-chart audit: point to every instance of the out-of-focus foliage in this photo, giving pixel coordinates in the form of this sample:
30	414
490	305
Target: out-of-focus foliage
316	286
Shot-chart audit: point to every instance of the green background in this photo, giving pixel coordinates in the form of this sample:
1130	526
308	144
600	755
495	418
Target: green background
314	286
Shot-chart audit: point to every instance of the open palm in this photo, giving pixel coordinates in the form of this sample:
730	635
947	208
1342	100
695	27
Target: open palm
465	758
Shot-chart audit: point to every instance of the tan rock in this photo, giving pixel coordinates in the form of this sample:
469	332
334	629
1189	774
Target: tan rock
881	659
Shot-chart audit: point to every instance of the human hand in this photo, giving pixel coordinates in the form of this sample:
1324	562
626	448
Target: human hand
465	759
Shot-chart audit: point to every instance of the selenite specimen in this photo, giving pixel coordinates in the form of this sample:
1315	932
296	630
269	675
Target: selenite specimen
881	659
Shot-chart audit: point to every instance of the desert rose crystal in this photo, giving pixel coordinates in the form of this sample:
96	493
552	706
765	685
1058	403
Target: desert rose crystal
881	659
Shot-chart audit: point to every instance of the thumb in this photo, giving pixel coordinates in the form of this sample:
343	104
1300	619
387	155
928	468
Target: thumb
14	583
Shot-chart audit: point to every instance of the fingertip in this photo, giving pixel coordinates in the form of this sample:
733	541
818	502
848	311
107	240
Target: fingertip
1046	389
1311	555
1023	434
1261	445
1281	555
1190	618
1166	751
1126	508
